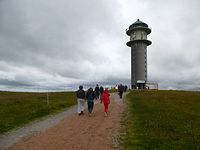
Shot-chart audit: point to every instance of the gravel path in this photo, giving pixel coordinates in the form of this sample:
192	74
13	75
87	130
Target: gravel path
12	137
67	130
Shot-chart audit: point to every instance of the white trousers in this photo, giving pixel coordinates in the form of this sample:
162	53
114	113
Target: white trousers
81	105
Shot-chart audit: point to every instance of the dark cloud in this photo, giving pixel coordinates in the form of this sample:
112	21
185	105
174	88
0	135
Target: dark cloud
13	83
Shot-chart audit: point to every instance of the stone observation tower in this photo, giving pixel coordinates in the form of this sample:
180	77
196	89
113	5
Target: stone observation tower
138	32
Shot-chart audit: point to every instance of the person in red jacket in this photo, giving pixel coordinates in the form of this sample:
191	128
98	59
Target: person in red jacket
106	100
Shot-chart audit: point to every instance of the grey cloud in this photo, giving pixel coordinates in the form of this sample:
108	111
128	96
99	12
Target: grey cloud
13	83
56	38
59	43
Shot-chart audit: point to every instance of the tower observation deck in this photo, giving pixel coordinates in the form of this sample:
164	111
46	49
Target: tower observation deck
138	32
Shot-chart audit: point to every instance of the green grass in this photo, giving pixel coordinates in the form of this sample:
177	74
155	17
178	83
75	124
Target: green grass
162	120
17	109
112	90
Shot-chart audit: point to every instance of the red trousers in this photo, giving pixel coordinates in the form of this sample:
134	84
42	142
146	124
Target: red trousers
106	107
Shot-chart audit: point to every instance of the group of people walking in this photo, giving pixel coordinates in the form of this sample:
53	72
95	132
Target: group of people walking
89	96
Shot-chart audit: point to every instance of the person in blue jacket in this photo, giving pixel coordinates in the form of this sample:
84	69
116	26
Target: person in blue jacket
90	96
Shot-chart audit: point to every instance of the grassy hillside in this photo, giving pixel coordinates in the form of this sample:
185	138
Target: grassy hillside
162	120
18	108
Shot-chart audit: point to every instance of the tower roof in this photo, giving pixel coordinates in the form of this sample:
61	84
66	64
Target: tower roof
138	23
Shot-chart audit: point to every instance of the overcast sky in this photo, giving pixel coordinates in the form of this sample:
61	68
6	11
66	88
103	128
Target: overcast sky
59	44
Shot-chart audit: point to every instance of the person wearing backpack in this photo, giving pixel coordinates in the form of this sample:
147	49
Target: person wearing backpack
106	100
80	94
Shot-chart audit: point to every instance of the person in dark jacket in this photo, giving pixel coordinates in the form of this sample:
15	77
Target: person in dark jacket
90	100
101	89
125	88
97	91
120	90
80	94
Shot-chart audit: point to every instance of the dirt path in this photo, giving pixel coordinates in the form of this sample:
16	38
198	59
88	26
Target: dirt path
78	132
